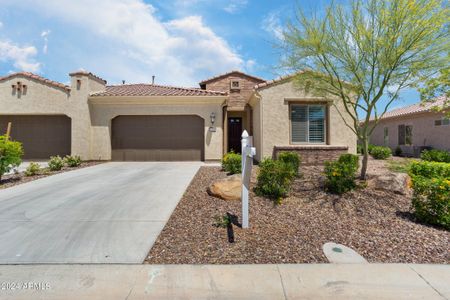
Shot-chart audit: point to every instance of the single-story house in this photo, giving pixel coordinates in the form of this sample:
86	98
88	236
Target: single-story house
414	128
151	122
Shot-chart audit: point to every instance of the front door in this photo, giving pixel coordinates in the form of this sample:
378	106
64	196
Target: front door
234	134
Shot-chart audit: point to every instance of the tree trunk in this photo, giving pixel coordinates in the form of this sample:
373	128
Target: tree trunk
365	161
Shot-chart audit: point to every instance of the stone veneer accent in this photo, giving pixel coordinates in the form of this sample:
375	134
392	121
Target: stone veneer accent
313	155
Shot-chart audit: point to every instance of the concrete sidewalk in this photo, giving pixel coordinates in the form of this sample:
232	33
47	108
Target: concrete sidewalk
312	281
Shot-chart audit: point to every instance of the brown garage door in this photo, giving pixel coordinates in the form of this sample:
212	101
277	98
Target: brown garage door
157	138
41	136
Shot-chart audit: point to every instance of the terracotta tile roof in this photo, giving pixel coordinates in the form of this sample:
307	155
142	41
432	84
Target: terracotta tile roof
143	89
229	73
89	74
415	108
275	81
32	76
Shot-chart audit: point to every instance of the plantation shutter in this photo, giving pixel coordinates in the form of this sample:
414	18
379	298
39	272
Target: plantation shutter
401	134
299	123
316	124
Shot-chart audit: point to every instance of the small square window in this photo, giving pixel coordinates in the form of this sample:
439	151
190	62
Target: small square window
437	122
235	85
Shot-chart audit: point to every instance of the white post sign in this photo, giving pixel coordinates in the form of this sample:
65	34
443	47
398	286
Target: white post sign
247	161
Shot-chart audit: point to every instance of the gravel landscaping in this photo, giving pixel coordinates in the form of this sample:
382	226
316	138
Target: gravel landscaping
19	178
377	224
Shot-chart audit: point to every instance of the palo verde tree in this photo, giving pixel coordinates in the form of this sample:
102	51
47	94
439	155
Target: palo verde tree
365	51
438	86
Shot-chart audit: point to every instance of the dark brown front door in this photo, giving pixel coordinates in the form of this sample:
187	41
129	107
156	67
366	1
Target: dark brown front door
234	134
158	138
41	136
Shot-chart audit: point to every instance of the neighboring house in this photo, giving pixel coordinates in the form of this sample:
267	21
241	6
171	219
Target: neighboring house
150	122
414	128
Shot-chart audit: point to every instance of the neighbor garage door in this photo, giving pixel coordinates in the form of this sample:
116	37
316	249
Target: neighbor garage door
157	138
41	136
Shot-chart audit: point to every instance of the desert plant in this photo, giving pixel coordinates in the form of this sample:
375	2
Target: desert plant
11	153
380	152
429	169
232	163
32	169
436	155
222	221
340	174
274	179
72	161
431	200
398	151
292	159
350	159
369	148
55	163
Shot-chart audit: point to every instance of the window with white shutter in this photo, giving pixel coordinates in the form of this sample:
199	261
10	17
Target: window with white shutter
308	123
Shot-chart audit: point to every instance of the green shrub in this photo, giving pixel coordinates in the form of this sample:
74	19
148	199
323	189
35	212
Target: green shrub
11	153
431	200
292	159
232	163
398	151
340	174
32	169
436	155
429	169
72	161
222	221
274	179
351	159
55	163
359	149
380	152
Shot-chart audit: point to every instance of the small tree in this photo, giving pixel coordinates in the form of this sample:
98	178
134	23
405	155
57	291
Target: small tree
10	154
437	86
359	54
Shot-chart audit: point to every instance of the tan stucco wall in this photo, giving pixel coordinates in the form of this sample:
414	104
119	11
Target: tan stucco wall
274	125
91	123
102	114
424	132
41	98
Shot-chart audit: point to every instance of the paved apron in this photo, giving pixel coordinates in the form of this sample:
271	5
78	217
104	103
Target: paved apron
109	213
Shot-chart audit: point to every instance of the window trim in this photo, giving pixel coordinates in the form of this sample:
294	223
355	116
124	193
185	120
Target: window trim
441	122
325	125
235	88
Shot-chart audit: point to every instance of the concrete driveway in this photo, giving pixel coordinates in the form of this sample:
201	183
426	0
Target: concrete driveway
109	213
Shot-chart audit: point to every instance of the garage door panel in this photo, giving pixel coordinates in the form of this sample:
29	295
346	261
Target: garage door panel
42	136
158	138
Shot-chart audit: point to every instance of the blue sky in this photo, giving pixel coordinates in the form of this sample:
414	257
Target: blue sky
179	41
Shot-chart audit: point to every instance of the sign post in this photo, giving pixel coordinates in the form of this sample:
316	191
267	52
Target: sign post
247	161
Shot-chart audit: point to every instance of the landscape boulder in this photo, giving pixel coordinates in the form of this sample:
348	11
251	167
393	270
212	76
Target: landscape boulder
228	188
399	183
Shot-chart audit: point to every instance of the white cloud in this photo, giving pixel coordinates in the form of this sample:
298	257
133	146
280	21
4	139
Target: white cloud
21	57
179	51
235	6
272	24
44	35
